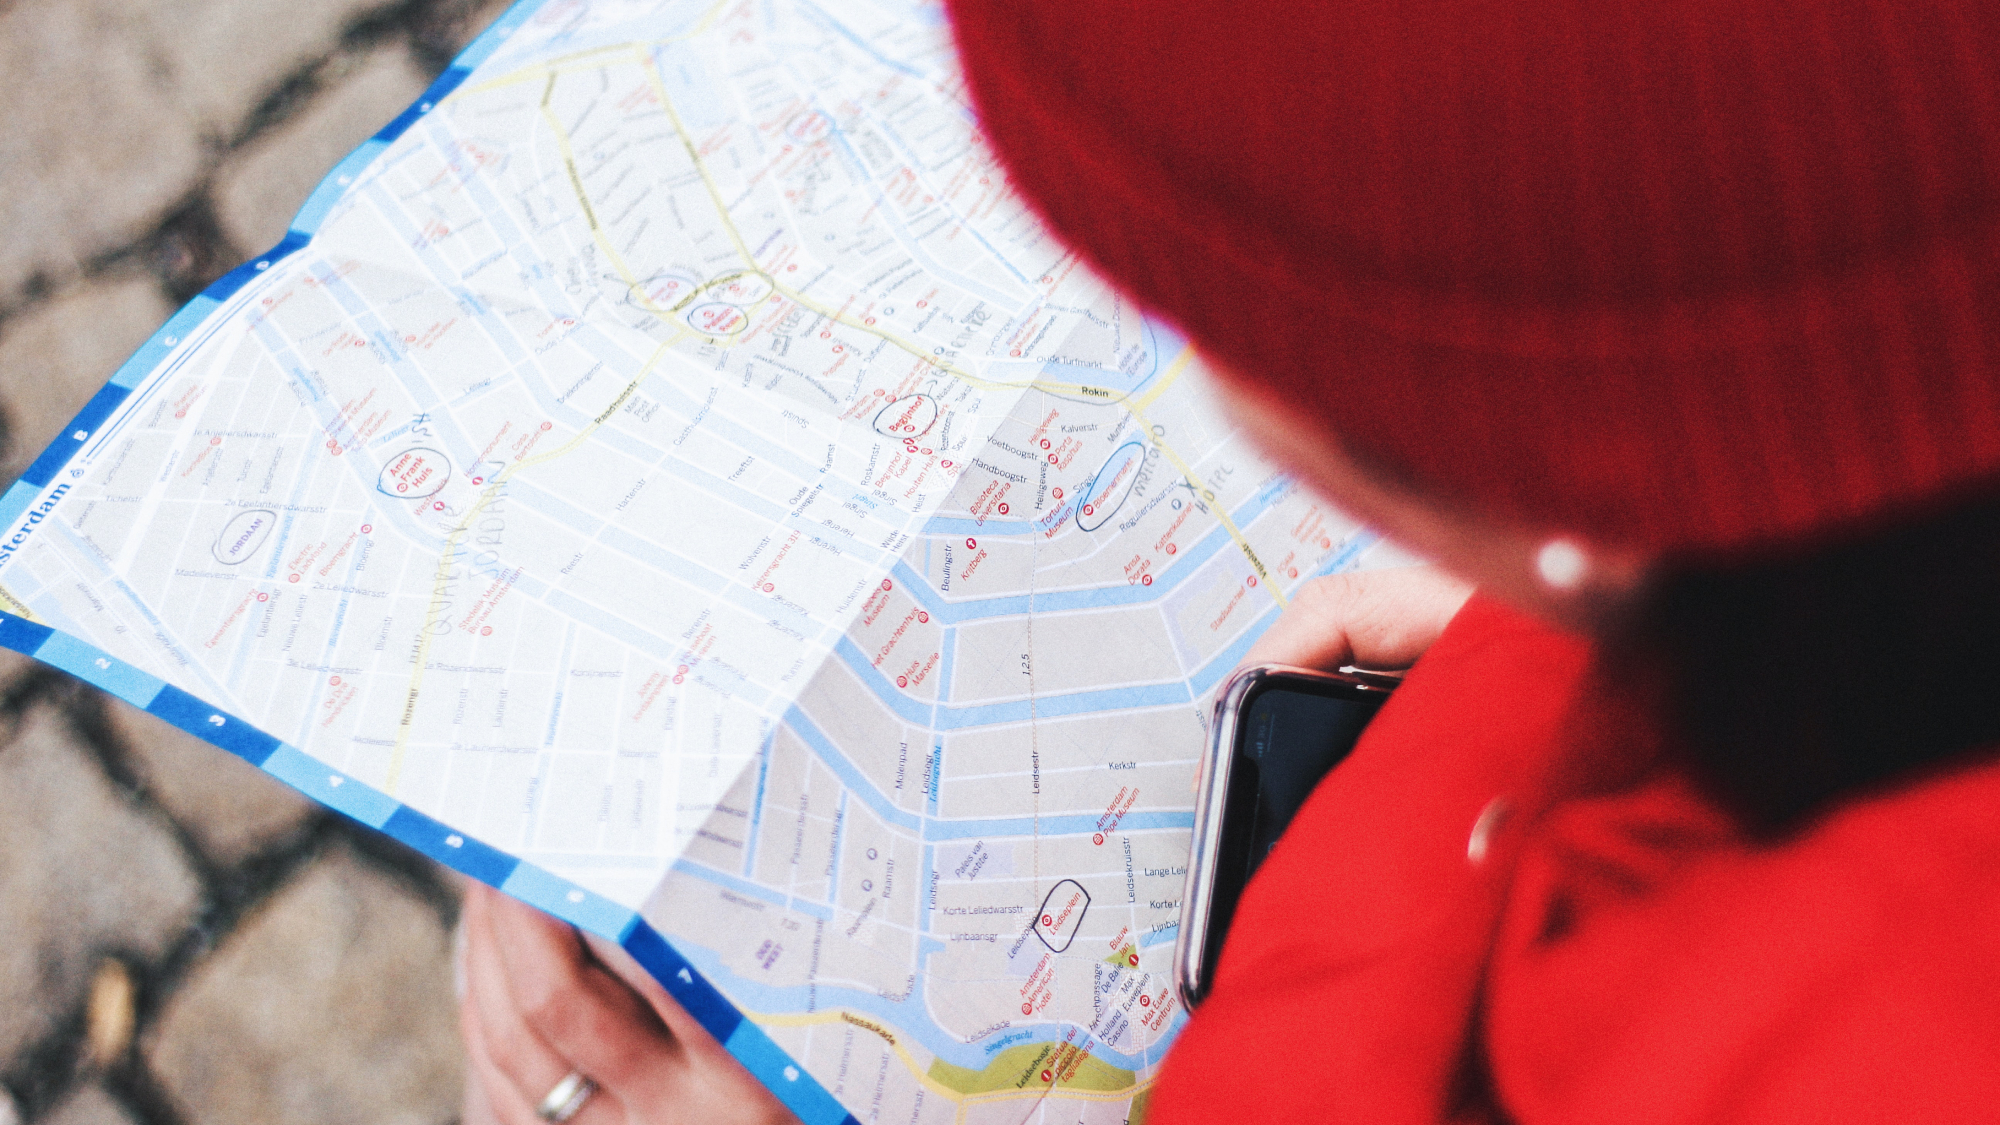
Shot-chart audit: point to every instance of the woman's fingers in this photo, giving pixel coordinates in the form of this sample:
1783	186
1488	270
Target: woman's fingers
1382	619
539	1005
685	1029
491	1094
585	1015
479	1077
517	1066
720	1078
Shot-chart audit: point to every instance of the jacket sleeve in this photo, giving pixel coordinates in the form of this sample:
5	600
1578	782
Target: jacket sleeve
1652	969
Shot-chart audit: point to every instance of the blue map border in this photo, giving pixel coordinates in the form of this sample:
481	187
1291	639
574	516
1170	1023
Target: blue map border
789	1081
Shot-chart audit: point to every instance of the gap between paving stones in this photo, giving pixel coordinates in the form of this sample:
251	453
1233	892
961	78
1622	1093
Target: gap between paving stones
44	1076
187	248
182	252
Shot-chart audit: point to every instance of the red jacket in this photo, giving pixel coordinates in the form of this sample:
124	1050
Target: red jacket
1617	952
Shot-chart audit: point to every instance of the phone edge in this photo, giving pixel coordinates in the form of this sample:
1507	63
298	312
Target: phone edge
1190	944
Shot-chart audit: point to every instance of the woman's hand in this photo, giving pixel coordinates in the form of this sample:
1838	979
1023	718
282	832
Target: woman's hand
539	1004
1376	619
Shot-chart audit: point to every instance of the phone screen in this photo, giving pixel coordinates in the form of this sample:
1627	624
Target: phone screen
1295	738
1291	733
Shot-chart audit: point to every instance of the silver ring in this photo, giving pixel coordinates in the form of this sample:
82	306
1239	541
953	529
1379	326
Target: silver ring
567	1099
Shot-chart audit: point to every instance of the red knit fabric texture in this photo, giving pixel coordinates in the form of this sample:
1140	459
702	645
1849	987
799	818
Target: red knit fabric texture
1679	274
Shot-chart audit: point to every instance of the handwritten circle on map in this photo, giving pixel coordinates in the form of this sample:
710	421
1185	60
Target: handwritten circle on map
242	535
1107	491
414	474
909	417
1061	914
716	318
809	128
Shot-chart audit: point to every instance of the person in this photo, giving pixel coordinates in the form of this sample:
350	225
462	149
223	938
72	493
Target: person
1671	327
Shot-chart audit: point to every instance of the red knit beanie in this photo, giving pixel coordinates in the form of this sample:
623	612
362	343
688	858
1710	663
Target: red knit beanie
1676	274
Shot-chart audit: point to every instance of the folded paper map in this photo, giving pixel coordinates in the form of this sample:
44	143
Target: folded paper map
667	475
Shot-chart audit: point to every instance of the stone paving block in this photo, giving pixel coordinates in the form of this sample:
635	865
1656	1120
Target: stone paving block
261	188
95	148
232	808
332	1004
84	871
225	56
87	1106
55	357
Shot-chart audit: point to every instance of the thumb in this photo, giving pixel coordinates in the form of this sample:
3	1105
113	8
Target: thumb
1379	619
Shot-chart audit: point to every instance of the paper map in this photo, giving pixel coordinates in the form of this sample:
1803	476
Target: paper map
666	474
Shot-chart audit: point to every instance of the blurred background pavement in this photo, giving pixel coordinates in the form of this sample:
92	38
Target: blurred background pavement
183	940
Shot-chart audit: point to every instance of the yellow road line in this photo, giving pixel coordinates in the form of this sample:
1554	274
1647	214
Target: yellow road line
445	559
1087	393
1136	405
1172	376
802	1019
597	231
1138	409
966	1101
15	605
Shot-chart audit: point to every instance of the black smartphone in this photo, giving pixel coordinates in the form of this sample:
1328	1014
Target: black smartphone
1277	732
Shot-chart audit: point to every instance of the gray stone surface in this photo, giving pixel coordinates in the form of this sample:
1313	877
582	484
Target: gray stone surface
85	871
334	1002
233	809
87	1106
223	57
147	146
95	147
262	186
53	358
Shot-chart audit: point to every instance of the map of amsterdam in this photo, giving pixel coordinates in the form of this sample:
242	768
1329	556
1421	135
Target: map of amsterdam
670	476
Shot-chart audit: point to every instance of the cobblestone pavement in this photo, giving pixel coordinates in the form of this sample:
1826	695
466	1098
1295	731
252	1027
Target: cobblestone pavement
183	939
